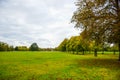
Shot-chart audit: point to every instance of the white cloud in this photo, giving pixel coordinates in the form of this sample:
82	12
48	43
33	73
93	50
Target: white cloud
46	22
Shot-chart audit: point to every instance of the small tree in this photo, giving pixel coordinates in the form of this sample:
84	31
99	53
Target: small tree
34	47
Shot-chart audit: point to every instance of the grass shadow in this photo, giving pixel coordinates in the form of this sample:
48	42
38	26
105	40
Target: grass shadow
106	63
97	63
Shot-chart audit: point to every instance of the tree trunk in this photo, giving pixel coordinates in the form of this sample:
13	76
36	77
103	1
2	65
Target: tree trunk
118	9
95	52
96	45
73	51
77	52
103	51
114	52
119	50
83	51
89	52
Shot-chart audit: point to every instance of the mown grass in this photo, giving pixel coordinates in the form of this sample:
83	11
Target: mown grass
58	66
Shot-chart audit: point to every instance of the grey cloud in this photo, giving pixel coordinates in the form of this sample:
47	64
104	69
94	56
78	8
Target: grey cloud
46	22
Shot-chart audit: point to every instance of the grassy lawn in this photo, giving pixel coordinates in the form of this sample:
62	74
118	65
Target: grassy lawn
58	66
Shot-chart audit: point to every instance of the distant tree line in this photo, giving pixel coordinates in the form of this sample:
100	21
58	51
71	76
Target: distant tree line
34	47
21	48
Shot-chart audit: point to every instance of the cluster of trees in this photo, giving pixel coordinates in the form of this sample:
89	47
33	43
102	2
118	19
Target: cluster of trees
99	20
5	47
78	44
21	48
100	24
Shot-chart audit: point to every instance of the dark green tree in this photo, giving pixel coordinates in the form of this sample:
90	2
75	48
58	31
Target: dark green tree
34	47
16	48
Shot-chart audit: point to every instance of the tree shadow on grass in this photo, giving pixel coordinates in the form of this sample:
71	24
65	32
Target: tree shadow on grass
111	64
105	63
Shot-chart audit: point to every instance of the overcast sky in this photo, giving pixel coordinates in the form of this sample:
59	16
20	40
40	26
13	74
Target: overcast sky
46	22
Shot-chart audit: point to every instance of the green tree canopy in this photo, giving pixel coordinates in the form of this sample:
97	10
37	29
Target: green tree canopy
62	46
34	47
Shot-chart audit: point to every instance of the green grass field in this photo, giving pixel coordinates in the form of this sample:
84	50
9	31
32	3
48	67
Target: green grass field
58	66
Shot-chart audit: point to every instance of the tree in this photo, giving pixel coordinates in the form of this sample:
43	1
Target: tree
10	48
34	47
80	44
71	44
76	44
87	21
62	46
100	19
16	48
3	46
